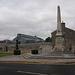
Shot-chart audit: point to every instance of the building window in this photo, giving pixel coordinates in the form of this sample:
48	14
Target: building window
0	48
6	49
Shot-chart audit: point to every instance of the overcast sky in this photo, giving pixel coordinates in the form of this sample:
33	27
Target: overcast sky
34	17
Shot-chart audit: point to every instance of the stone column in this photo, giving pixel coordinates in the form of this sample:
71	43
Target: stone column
59	28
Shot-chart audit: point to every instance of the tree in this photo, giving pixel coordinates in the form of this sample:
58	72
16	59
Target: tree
48	39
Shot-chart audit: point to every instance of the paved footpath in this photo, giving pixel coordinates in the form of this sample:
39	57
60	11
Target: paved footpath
20	58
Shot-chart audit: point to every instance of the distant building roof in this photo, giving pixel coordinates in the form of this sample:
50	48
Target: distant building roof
27	39
6	41
2	42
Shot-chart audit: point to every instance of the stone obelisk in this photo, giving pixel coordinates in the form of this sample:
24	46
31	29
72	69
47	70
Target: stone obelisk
59	41
59	28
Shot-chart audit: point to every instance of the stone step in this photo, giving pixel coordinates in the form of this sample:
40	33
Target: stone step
49	55
26	56
61	52
53	57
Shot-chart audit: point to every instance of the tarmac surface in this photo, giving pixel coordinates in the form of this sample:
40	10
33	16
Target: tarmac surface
36	69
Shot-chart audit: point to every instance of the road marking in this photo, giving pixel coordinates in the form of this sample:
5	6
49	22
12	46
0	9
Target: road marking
31	73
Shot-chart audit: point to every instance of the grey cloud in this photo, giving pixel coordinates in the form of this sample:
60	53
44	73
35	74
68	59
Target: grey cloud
33	17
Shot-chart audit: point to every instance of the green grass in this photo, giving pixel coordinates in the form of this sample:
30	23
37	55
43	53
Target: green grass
5	54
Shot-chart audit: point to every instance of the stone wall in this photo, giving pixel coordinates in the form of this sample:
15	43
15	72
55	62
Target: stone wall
3	47
45	48
69	38
30	47
24	48
53	36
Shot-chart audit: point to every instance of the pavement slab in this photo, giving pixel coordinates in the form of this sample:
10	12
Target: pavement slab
20	58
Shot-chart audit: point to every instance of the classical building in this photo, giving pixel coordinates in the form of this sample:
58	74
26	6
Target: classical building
63	39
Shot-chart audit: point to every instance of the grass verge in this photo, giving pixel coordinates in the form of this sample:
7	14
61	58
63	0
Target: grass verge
5	54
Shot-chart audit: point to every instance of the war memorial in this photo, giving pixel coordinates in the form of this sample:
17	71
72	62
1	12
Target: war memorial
63	39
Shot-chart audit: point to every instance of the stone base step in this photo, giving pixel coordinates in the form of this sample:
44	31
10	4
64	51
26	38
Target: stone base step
50	55
26	56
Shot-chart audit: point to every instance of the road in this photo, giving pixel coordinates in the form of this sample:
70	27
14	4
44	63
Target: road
36	69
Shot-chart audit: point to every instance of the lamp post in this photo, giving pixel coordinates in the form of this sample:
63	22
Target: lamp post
17	43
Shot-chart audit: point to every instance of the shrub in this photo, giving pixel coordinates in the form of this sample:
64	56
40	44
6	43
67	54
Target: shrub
17	52
34	51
